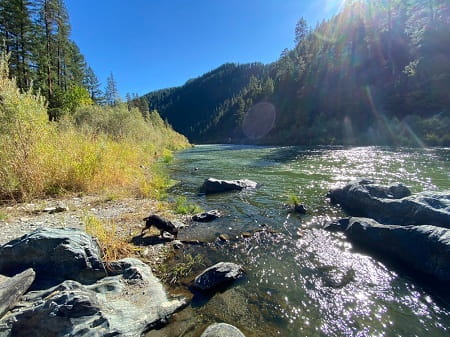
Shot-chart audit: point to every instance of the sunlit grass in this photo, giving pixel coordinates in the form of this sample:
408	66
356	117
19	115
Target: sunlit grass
113	246
109	150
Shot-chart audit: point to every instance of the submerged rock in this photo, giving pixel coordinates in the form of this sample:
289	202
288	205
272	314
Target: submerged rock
218	275
393	204
12	288
425	248
127	304
301	209
55	255
222	330
212	185
207	216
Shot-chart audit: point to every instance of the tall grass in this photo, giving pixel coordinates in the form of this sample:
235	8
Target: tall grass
97	149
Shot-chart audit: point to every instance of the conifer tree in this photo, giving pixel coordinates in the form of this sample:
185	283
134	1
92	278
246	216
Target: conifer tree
112	96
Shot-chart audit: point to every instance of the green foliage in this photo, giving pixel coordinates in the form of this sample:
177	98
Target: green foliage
182	206
293	200
99	149
36	34
355	79
173	274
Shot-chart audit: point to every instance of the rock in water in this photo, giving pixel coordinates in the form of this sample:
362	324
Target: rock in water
212	185
425	249
218	275
55	255
222	330
393	204
207	216
127	304
12	288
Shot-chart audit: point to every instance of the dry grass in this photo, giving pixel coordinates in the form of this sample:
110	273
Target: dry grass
114	246
108	150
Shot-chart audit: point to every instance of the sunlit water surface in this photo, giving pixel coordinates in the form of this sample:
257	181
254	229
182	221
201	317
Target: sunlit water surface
305	281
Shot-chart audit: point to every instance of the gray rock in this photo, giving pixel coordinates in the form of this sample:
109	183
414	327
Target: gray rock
425	249
212	185
177	244
300	209
12	288
218	275
222	330
393	204
55	255
207	216
56	209
127	304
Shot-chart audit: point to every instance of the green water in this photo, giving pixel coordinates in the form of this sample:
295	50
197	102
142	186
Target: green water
305	281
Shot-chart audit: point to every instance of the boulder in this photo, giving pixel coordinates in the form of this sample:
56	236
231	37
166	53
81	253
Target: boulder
55	255
207	216
212	185
425	248
12	288
222	330
394	204
218	275
301	209
127	304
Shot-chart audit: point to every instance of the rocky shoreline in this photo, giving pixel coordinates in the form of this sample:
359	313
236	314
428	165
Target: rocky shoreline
56	282
390	221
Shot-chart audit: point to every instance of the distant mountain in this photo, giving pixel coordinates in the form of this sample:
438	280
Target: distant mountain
376	73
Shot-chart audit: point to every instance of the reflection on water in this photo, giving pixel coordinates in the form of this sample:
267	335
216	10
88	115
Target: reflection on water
301	280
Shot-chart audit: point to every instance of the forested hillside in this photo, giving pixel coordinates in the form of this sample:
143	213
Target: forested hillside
376	73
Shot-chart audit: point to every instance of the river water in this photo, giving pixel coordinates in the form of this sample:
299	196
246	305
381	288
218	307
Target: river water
302	280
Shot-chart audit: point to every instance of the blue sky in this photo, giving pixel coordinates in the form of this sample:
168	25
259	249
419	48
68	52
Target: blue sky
154	44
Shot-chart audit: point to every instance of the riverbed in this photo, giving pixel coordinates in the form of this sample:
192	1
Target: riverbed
302	280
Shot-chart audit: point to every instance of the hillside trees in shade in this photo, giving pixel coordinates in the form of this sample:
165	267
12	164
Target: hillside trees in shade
36	33
376	73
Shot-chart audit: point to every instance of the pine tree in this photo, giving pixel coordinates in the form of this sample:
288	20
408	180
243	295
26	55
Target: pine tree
112	96
16	38
92	84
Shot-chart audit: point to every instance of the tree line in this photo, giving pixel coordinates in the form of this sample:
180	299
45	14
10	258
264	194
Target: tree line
378	72
36	36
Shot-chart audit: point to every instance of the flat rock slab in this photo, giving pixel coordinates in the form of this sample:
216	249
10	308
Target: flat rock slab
393	205
12	288
207	216
425	249
218	275
55	255
127	304
212	185
222	330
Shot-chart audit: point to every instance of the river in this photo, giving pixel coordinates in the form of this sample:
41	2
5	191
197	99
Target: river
302	280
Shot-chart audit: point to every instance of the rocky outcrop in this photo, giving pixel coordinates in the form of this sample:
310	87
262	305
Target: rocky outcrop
393	204
212	185
425	248
55	255
207	216
222	330
218	275
127	304
12	288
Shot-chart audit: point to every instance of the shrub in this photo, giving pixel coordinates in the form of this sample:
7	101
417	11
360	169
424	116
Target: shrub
182	206
97	149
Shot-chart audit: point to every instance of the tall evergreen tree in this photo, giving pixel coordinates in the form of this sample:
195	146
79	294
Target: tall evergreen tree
112	96
92	84
16	38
